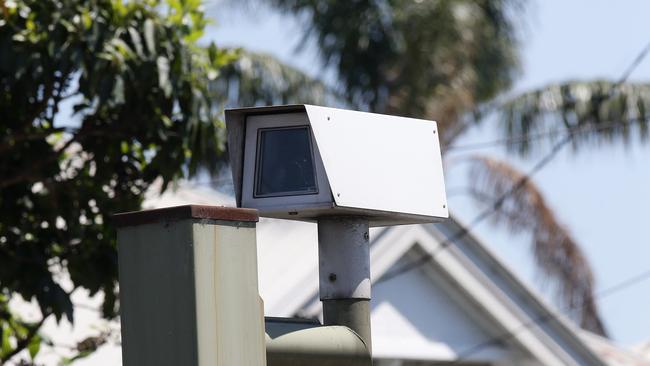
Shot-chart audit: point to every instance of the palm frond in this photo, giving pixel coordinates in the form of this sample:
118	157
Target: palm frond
594	112
425	59
260	79
558	256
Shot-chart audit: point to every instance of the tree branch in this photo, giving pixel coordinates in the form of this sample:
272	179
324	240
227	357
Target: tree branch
21	344
7	144
33	172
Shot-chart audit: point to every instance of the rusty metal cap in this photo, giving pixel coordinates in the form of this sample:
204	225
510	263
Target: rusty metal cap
185	212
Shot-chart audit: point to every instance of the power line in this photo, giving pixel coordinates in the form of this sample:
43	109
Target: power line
634	64
526	138
540	320
480	218
518	185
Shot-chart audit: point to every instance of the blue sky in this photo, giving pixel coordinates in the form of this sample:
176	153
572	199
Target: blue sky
601	194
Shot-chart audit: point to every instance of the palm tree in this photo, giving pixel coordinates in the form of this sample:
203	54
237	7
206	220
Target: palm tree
449	61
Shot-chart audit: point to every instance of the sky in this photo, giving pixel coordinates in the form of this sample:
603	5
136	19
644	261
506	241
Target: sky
601	194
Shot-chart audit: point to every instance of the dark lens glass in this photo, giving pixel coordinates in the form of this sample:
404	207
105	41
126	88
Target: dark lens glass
285	164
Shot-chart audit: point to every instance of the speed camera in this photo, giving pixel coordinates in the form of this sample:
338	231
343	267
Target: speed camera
305	162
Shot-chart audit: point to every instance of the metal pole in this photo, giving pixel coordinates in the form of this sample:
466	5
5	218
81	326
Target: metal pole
291	342
344	273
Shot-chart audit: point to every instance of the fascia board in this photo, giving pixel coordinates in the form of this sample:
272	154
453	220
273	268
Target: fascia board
470	249
484	294
398	241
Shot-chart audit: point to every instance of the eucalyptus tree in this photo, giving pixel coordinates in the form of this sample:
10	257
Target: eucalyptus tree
98	99
453	61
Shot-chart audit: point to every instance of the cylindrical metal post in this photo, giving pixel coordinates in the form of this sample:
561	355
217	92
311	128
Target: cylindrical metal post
353	313
317	346
344	273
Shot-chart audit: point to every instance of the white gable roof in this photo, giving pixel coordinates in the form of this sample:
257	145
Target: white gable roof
472	297
613	354
471	278
475	313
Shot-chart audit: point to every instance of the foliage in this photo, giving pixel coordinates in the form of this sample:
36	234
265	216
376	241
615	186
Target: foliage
259	79
431	59
16	334
592	111
558	255
136	81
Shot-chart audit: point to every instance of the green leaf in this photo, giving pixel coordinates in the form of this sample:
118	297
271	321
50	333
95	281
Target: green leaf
194	36
166	121
19	328
69	360
124	50
262	79
87	19
163	75
177	5
149	36
6	340
119	7
137	41
34	346
593	112
118	90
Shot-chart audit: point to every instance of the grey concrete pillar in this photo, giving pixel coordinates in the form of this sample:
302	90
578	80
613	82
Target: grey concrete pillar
188	287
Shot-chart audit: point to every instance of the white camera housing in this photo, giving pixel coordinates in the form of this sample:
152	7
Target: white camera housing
304	162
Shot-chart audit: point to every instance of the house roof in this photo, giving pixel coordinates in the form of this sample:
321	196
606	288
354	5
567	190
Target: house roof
479	284
615	355
476	281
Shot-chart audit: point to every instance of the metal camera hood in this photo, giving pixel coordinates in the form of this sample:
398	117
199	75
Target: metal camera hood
384	168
